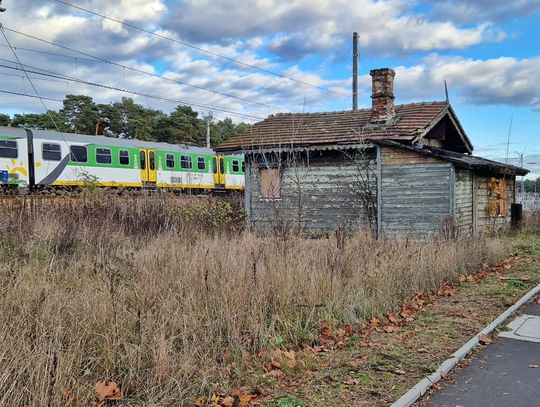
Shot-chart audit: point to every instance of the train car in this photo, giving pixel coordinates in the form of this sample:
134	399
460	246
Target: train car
31	157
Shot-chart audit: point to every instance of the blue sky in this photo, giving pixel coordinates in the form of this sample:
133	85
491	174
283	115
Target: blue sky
488	52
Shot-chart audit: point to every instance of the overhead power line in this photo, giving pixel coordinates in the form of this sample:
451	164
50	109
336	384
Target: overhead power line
28	77
141	71
67	78
212	53
56	54
29	96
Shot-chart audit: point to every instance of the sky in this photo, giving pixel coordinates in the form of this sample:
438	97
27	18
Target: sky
259	57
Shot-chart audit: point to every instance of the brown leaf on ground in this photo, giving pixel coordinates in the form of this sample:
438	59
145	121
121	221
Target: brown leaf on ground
348	329
326	332
394	319
446	290
390	328
106	390
485	340
227	401
199	402
374	322
406	311
69	394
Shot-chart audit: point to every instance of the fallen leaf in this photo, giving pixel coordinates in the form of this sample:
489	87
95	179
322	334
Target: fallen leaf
394	319
374	322
390	328
348	329
106	390
446	290
406	311
227	401
69	394
485	340
200	401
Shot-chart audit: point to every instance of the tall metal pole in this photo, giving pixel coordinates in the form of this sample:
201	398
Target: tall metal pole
208	120
355	72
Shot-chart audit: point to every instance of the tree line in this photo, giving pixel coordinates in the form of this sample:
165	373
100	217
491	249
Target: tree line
127	119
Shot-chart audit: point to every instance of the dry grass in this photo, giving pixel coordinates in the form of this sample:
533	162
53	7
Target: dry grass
151	293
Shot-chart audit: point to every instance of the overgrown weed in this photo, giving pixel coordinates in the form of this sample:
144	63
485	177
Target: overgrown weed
154	292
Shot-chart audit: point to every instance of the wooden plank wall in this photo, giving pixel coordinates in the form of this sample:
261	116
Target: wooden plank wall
417	193
486	223
320	196
464	202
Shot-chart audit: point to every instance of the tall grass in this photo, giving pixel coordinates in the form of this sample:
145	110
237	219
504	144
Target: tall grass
152	292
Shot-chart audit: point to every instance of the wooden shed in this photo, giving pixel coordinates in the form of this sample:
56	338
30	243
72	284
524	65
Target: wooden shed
404	170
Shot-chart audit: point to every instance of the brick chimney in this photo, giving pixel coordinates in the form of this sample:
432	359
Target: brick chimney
382	94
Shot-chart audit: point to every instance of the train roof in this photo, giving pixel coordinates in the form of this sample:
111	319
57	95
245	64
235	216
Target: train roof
112	141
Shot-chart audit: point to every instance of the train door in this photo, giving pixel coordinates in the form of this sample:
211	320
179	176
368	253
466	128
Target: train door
147	165
219	170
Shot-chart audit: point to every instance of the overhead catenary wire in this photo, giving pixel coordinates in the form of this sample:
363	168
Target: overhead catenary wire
28	77
141	71
67	78
200	49
29	96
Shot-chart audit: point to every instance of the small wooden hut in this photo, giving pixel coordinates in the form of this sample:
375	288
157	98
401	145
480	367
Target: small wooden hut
397	170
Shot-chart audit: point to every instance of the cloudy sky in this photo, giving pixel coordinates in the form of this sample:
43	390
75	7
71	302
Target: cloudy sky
487	50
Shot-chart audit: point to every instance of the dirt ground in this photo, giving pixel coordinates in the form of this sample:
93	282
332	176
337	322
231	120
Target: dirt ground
374	363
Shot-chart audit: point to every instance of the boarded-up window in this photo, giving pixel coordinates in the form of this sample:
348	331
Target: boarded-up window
503	197
270	180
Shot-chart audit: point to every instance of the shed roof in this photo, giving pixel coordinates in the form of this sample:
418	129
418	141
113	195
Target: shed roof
461	160
344	127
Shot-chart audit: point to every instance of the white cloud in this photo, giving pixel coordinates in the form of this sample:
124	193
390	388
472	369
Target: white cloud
497	81
301	27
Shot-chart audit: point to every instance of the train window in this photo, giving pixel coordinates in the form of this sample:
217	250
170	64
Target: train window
142	159
235	166
123	157
8	149
185	161
51	152
170	161
103	156
214	161
79	154
243	166
201	164
221	166
152	160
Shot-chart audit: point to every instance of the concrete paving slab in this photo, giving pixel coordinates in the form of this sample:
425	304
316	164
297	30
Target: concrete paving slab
499	376
523	328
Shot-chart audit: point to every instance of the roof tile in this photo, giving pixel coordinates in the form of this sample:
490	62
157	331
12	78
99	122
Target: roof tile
350	126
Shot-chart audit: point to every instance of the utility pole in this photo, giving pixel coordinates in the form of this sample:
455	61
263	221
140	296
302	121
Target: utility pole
522	184
208	120
355	72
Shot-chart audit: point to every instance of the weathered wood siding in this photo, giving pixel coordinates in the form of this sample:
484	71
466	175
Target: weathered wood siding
321	195
464	202
485	222
416	194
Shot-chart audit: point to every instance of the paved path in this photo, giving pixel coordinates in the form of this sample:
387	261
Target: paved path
499	375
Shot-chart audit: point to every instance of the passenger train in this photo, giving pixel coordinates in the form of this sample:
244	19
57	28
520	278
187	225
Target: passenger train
40	158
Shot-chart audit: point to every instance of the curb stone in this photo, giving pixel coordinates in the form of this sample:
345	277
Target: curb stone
420	388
